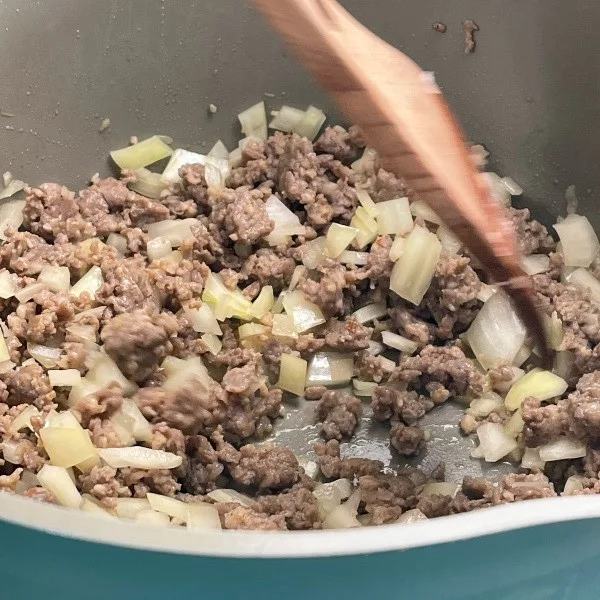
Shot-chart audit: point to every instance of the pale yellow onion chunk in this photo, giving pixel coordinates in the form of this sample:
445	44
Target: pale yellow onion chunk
292	374
539	384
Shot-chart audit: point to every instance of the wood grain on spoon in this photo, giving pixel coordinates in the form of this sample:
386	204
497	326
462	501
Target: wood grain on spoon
404	117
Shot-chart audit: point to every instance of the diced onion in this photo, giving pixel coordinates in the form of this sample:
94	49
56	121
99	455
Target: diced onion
91	507
397	248
488	403
216	171
338	238
29	291
563	364
305	314
494	442
213	343
180	158
203	319
148	184
23	419
399	342
512	186
514	426
56	279
12	188
367	203
139	457
586	282
7	284
419	209
330	369
11	216
522	355
90	283
129	508
297	275
571	198
450	243
235	158
341	517
141	429
263	302
67	447
254	121
573	484
105	371
202	516
314	253
368	157
499	191
536	263
292	374
329	495
219	150
394	217
59	483
579	241
182	373
485	292
351	257
47	356
531	459
283	327
311	123
248	330
412	516
287	119
286	222
176	231
539	384
497	333
363	388
440	488
168	506
370	312
225	303
563	448
64	378
152	517
230	496
158	248
414	270
366	225
142	154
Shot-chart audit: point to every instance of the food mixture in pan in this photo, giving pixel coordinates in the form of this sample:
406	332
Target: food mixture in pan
154	326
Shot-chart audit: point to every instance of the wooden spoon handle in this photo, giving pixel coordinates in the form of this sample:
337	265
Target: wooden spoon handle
405	118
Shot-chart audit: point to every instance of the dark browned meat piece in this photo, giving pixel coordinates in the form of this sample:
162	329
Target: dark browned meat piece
339	412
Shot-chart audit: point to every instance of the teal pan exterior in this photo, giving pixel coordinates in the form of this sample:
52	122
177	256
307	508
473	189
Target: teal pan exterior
552	562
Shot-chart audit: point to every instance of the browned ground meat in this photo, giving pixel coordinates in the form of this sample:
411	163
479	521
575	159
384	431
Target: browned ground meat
213	406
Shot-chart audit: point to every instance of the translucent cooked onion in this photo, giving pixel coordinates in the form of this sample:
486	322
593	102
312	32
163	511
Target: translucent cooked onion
292	374
142	154
488	403
203	319
514	426
393	340
128	508
311	123
158	248
263	302
180	158
286	222
12	188
11	216
152	517
367	227
47	356
450	243
486	292
306	314
579	241
367	203
564	363
176	231
225	303
140	428
248	330
219	150
105	371
514	189
494	442
224	495
235	158
254	121
29	291
531	459
56	279
338	238
59	483
283	327
369	157
341	517
139	457
414	270
330	495
64	378
394	217
563	448
497	333
499	191
7	284
351	257
330	369
148	184
202	517
314	253
586	282
216	171
440	488
90	283
168	506
297	275
23	419
213	343
419	209
522	355
573	484
536	263
412	516
67	446
370	312
539	384
363	388
287	119
397	248
186	372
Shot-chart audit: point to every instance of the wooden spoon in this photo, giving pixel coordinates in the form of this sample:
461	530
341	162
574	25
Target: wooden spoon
403	116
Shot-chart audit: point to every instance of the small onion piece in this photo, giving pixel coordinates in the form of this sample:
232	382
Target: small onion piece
341	517
512	186
370	312
180	158
573	484
306	314
59	483
148	184
23	419
412	516
450	243
514	426
499	191
579	241
494	442
56	279
534	264
224	495
397	248
142	154
91	507
168	506
29	291
563	448
141	428
414	270
129	508
263	302
394	217
486	292
283	327
139	457
219	150
286	222
67	446
399	342
47	356
531	459
351	257
363	388
213	343
366	225
12	188
367	203
202	517
203	319
216	171
90	283
248	330
106	371
497	333
64	378
11	216
253	121
441	488
152	517
314	253
487	404
539	384
287	119
329	495
158	248
292	374
7	284
235	158
176	231
585	281
330	369
311	123
338	238
420	209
